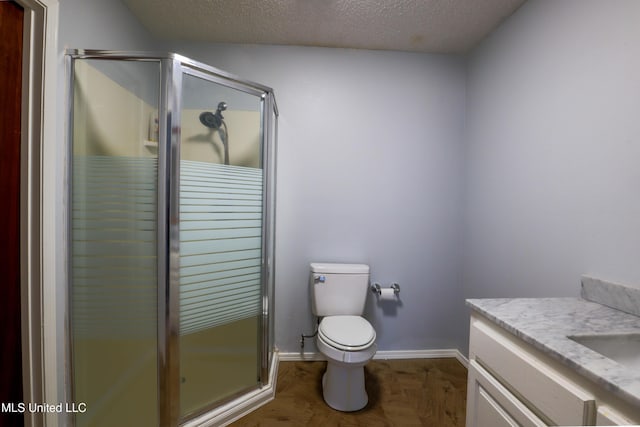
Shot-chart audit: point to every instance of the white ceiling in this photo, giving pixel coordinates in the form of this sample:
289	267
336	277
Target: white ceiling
437	26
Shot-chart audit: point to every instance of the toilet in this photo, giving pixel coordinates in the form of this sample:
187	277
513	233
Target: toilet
345	338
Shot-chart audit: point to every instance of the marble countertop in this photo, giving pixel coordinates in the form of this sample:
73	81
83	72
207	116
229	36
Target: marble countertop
545	323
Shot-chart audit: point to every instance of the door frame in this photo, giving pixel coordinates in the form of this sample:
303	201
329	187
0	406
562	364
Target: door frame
40	182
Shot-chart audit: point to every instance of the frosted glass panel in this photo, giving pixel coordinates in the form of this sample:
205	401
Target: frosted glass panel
221	203
220	250
114	295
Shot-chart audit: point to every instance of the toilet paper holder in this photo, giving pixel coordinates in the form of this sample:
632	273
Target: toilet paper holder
377	289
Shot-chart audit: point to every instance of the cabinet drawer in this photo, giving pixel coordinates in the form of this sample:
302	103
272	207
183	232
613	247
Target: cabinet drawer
490	404
547	393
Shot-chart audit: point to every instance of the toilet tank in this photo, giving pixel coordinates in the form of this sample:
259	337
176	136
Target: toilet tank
338	289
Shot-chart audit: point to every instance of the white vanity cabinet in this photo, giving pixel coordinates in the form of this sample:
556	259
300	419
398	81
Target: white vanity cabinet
511	383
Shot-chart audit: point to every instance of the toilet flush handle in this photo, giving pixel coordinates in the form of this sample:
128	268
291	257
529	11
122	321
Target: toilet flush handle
319	278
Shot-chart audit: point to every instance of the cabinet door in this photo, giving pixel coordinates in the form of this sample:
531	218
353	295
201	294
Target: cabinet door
490	404
489	412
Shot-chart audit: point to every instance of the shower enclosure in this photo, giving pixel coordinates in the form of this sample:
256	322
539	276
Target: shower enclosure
171	231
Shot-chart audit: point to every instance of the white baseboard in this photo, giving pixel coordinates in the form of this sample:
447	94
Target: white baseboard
301	356
385	355
423	354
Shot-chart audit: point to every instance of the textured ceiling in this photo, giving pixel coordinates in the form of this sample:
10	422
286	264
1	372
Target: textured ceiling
443	26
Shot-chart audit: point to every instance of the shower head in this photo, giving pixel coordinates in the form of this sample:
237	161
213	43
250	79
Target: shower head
213	120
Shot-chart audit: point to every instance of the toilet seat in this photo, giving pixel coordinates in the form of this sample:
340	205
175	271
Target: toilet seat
347	333
348	343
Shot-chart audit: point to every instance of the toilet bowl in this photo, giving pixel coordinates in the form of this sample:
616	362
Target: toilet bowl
345	338
348	343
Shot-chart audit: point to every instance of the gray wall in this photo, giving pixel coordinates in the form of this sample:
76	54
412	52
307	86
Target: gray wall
100	24
369	170
553	151
373	165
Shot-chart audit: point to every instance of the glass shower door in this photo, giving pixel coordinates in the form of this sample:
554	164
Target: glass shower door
221	218
171	239
113	235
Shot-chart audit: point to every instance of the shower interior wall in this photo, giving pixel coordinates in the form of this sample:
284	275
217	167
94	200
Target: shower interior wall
130	131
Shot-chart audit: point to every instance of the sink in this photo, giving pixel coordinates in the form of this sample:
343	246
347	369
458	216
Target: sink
623	348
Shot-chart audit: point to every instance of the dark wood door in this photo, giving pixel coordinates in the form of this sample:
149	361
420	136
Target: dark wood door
11	23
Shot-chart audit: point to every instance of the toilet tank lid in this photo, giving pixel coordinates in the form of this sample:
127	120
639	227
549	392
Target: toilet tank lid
328	268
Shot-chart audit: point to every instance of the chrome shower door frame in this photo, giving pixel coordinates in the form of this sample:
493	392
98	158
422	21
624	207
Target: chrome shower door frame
210	74
172	69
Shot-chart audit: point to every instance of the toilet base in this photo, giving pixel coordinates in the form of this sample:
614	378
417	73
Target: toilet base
343	386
